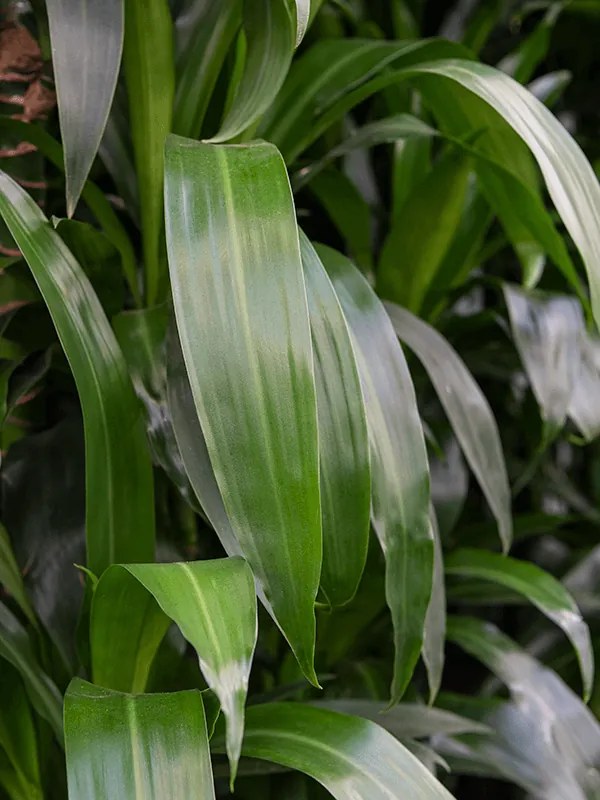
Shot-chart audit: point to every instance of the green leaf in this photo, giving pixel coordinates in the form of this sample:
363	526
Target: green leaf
16	648
468	411
584	405
213	604
302	19
143	747
422	232
119	496
350	757
10	577
150	77
241	311
400	474
199	63
540	588
343	439
270	34
87	40
17	734
547	329
434	633
570	179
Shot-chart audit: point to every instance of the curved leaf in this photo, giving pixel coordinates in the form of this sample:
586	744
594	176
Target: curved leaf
469	412
16	648
150	78
10	577
87	40
17	736
119	490
213	604
350	757
540	588
584	405
400	474
143	747
302	19
241	311
434	632
270	33
343	439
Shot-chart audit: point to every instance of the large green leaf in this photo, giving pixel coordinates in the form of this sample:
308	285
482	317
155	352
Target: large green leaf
214	605
142	747
400	474
199	63
422	232
119	496
353	758
547	331
10	576
270	31
150	77
343	438
469	412
16	648
87	40
242	315
540	588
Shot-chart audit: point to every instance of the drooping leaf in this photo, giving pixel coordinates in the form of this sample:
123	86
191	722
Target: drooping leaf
17	735
270	34
400	475
351	757
547	330
242	316
199	62
16	648
469	412
150	77
119	496
87	40
214	605
434	632
422	232
343	438
143	747
10	576
540	588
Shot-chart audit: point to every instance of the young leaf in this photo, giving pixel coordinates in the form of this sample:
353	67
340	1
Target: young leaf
150	77
343	439
400	474
270	33
120	508
540	588
143	747
350	757
241	311
547	331
213	604
469	412
16	648
87	40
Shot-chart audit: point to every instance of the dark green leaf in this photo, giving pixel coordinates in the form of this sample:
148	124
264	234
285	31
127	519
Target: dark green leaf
10	576
17	736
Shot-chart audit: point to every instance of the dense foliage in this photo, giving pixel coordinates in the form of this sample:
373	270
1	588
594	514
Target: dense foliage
299	398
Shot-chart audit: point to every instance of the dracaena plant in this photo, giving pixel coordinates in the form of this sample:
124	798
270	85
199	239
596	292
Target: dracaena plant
277	278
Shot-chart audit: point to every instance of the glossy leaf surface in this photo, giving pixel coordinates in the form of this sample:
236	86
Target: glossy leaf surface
238	286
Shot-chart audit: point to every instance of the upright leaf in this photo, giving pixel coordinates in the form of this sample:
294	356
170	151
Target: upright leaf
270	34
241	311
15	647
540	588
434	632
213	604
351	757
469	412
343	439
87	40
143	747
302	19
400	474
150	77
10	576
119	491
17	735
547	330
